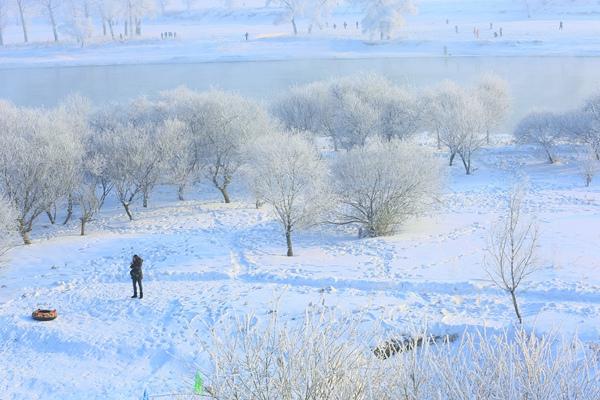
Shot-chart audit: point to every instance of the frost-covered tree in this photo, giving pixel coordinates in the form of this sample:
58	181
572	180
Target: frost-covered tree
492	92
589	167
400	114
512	247
291	10
288	173
109	12
302	108
4	10
181	161
458	118
22	6
133	162
382	184
77	23
8	226
385	17
543	129
226	123
30	152
50	9
589	124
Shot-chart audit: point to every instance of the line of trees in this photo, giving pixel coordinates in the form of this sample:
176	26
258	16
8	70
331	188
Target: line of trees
76	18
66	161
548	130
351	111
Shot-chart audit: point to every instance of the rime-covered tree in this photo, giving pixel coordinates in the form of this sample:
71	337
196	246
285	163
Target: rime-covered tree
227	123
382	184
50	9
4	10
492	92
8	225
181	162
543	129
385	17
290	11
512	247
22	6
288	173
400	114
30	152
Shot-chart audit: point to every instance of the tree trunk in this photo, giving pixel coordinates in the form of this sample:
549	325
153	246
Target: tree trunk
126	207
145	198
125	28
110	27
487	136
288	239
452	155
69	210
103	27
23	24
439	141
53	22
1	37
466	163
225	194
180	190
51	217
24	232
550	158
83	221
295	27
514	300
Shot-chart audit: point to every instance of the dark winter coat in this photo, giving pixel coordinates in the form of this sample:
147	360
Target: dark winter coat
136	268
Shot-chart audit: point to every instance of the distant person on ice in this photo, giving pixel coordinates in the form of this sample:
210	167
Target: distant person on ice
136	275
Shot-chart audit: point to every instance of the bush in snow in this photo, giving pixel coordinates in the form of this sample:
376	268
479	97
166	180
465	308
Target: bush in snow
543	129
327	356
380	185
287	173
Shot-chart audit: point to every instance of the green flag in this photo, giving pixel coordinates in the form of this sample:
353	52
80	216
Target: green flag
198	384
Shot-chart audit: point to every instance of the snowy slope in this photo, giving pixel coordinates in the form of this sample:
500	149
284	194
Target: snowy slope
213	33
206	262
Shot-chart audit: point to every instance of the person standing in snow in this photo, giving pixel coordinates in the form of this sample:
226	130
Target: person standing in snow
136	275
246	35
560	26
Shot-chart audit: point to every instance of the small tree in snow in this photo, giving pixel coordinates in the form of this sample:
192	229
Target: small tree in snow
288	173
543	129
589	166
589	120
511	250
181	162
492	92
22	6
400	115
382	184
385	17
50	8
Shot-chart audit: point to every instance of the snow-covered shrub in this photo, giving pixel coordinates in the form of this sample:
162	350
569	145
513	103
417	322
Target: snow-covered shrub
287	173
327	356
382	184
401	113
543	129
585	124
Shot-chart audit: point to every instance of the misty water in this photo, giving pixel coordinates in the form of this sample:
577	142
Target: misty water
553	83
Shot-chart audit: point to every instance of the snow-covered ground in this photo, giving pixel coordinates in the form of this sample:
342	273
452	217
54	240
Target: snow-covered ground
206	261
215	33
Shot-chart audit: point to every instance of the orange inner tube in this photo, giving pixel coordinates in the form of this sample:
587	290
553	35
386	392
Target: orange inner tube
44	315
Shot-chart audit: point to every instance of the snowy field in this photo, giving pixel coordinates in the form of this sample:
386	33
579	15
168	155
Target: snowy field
207	262
213	32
